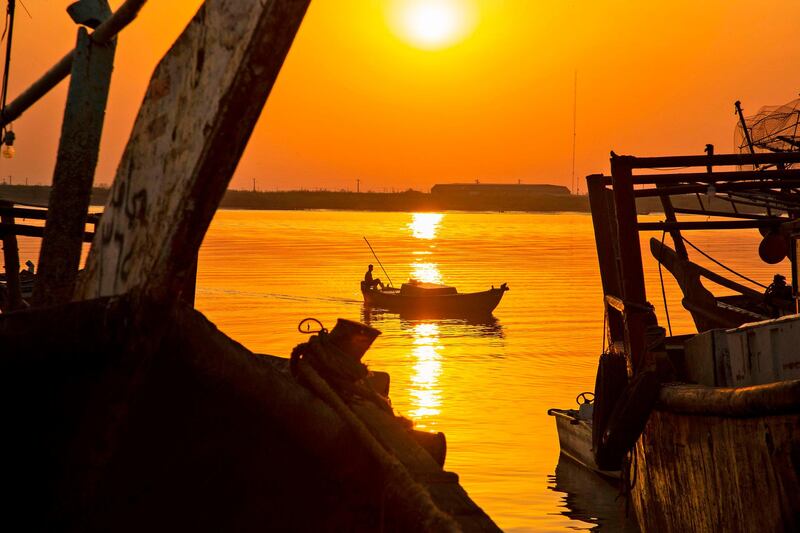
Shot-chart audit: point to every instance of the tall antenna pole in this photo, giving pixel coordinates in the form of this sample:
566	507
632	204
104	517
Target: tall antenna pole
574	130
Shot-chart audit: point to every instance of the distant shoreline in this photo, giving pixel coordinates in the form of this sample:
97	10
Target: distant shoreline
346	201
408	201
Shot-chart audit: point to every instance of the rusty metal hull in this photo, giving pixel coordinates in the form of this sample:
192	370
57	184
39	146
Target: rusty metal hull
475	304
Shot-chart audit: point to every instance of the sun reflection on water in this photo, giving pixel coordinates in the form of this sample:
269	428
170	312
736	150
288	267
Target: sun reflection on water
425	393
427	272
425	225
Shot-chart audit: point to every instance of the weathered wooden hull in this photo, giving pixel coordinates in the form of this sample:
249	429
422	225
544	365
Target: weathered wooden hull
718	472
475	304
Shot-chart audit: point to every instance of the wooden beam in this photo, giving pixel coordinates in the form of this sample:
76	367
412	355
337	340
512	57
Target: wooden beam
669	213
39	214
24	230
720	187
633	289
199	111
713	160
602	209
11	261
662	254
716	177
725	214
668	178
712	224
84	113
23	212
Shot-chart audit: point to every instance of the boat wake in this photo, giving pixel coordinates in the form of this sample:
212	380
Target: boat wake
276	296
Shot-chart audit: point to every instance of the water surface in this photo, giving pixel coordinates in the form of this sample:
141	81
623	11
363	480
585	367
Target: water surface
486	385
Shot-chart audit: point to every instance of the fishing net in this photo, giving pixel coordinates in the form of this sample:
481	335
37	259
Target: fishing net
772	129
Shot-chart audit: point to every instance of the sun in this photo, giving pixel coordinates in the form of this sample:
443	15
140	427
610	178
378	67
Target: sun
432	24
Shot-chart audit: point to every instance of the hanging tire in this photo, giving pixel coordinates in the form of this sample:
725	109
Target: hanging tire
627	420
612	378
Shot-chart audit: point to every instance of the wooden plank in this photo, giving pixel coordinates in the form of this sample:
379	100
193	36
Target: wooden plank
11	261
199	111
672	261
765	185
26	230
602	214
711	224
630	255
723	214
714	160
669	213
84	114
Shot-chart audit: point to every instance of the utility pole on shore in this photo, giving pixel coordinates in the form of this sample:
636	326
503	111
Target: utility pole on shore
358	185
254	185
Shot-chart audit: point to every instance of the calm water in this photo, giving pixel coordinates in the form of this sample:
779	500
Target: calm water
487	386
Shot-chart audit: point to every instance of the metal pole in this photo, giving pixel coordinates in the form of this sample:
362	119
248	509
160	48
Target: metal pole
379	262
738	105
108	29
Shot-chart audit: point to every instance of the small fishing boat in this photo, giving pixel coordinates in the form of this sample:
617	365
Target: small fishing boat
421	299
574	428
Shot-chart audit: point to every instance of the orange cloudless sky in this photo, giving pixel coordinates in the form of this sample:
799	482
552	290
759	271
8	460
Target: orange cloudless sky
408	93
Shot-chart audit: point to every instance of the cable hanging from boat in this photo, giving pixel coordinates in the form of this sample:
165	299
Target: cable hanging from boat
663	291
754	282
8	136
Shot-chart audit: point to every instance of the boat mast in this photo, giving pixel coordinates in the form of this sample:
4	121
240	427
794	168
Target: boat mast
575	189
746	132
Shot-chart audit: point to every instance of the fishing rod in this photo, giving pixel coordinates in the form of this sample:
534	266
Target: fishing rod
379	262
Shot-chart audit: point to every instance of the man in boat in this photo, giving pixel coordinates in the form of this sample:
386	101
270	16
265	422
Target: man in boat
369	282
777	295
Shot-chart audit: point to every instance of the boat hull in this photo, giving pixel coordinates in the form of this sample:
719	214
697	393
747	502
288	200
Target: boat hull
717	472
575	440
475	304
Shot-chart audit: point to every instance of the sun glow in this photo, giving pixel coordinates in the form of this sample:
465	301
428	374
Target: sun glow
425	225
433	24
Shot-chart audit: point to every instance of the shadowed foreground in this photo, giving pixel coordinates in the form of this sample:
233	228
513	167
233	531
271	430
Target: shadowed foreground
122	414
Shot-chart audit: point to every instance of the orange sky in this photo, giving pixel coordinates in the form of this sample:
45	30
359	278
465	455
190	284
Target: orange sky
357	98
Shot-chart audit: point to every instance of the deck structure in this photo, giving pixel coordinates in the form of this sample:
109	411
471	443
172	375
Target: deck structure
707	458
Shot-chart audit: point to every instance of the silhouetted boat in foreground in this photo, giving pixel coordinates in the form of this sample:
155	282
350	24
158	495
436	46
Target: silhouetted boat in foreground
421	299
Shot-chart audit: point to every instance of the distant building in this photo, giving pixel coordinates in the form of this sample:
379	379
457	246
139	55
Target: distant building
497	189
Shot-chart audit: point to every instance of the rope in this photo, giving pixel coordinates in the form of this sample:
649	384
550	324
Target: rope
754	282
663	291
342	372
605	320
